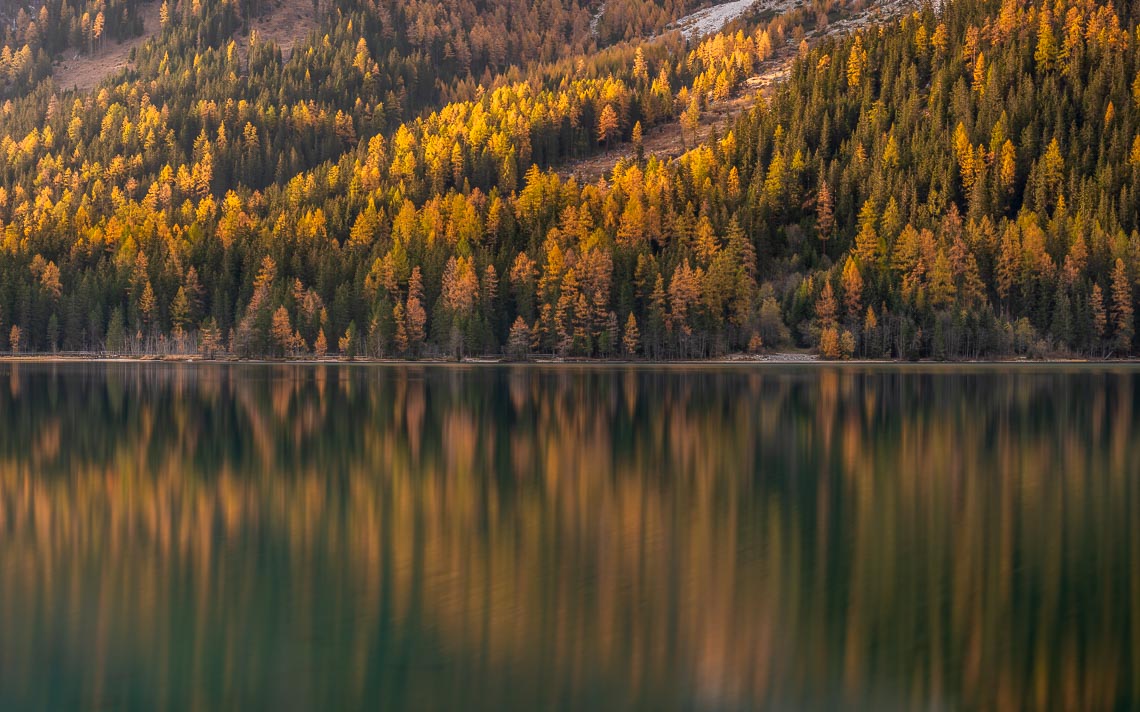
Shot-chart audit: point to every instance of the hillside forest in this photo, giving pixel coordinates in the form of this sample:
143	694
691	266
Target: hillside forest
950	181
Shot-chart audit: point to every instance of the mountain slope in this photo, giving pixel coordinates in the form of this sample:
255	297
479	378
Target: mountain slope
959	184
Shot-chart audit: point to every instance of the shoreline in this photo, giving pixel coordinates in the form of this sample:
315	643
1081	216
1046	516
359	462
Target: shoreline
777	359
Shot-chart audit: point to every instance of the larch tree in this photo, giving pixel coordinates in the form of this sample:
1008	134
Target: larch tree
691	121
416	315
148	305
282	331
349	342
607	125
852	283
825	306
1122	308
1099	315
631	339
400	319
518	340
824	214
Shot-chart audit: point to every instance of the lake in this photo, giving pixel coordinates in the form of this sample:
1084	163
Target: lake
295	537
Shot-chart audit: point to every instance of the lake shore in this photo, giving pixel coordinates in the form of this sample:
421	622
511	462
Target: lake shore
779	358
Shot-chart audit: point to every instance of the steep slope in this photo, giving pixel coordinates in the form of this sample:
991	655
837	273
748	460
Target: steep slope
903	192
84	71
668	140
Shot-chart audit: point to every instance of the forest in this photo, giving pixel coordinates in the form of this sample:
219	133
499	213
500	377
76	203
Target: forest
957	182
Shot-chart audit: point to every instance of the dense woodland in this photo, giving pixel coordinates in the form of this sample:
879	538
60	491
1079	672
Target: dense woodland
958	183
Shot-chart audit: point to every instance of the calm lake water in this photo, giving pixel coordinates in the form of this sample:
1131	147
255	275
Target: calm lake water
443	537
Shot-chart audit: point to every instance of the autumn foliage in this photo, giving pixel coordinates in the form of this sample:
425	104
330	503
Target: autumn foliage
391	187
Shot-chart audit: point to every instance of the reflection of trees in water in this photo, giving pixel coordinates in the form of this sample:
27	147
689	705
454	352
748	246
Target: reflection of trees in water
657	536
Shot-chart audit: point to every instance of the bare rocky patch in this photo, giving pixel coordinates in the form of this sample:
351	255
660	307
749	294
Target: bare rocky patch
667	142
86	71
286	24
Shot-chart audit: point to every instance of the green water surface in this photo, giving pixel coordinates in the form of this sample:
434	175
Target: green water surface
292	537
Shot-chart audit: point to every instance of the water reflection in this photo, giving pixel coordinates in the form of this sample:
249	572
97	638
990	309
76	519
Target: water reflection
204	536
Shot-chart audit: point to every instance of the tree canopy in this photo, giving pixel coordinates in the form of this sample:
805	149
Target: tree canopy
960	183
